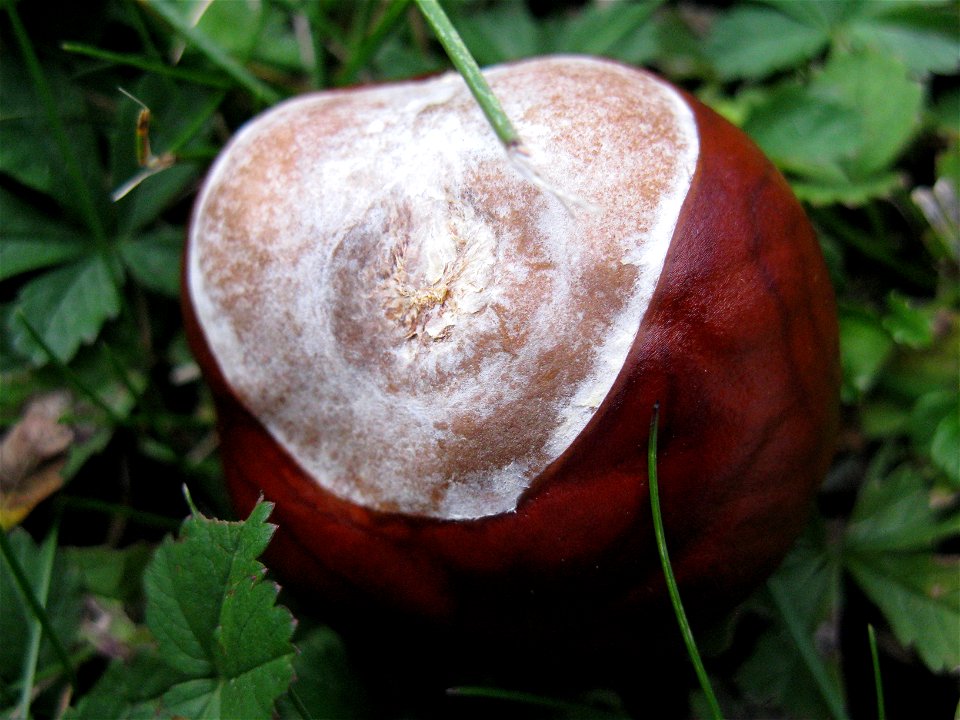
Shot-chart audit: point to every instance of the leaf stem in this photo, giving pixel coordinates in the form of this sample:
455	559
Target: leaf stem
463	61
298	704
35	633
138	516
668	570
23	584
878	681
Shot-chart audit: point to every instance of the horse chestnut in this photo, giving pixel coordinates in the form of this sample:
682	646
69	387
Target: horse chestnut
443	373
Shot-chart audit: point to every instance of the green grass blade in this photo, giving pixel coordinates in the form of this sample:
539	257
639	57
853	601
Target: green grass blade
140	517
58	130
47	554
531	700
23	584
878	681
148	65
463	61
69	375
668	570
368	47
215	53
805	647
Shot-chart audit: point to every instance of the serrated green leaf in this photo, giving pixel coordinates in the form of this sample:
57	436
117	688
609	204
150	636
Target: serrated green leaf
154	260
776	42
66	307
894	513
325	681
216	621
919	595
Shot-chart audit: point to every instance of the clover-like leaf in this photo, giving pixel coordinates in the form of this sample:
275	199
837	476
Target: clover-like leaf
920	597
777	41
889	550
887	100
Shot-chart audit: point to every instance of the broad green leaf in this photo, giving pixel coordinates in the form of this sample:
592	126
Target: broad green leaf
886	99
26	151
154	260
64	606
927	413
216	621
803	134
920	34
128	691
111	572
822	14
66	307
753	42
31	239
19	256
881	419
907	324
325	681
913	374
864	349
154	195
919	595
895	513
852	193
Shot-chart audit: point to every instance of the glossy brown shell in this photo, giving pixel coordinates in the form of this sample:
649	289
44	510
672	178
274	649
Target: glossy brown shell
739	346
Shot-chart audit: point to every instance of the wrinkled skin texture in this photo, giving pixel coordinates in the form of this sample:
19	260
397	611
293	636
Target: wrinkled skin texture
739	346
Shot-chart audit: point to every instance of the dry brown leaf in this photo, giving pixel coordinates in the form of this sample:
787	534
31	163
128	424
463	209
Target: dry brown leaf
32	455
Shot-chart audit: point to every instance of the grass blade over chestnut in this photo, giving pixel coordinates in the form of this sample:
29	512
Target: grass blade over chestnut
674	591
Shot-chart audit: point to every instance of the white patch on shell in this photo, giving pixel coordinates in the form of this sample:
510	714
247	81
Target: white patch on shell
422	329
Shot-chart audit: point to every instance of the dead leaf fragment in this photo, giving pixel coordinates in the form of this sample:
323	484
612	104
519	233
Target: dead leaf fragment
32	455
